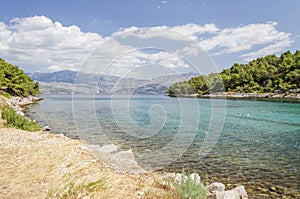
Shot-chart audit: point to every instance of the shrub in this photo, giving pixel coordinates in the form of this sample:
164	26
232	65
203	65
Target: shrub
189	188
18	121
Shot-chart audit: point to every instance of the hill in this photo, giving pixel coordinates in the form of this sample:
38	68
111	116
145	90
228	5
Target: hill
65	82
269	74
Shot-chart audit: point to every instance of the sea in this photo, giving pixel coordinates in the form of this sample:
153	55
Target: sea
236	142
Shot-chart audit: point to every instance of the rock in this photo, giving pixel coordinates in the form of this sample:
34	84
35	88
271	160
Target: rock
217	191
121	161
140	193
236	193
110	148
46	128
168	176
216	186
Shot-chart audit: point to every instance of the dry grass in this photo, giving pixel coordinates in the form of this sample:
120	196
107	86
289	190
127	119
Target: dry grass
44	165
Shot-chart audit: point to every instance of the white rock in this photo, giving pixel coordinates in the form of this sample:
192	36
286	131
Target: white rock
110	148
236	193
216	186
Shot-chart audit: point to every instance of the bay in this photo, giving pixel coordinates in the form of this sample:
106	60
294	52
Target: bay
254	143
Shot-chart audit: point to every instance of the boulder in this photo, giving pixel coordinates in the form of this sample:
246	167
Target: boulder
215	187
236	193
217	191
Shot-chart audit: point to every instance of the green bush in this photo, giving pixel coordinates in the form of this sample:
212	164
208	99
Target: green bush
18	121
188	188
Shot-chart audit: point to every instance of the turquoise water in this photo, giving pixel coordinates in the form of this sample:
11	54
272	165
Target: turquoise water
254	143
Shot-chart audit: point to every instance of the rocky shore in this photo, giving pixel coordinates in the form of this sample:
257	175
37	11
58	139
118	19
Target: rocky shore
289	96
45	165
19	103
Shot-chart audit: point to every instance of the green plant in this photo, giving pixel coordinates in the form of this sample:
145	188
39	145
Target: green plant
18	121
73	190
5	94
188	188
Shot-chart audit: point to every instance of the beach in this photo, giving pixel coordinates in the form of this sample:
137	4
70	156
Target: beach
44	165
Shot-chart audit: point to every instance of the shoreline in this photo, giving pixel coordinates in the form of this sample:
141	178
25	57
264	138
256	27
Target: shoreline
43	164
56	162
274	97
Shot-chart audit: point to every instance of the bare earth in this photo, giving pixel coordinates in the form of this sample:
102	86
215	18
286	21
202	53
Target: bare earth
45	165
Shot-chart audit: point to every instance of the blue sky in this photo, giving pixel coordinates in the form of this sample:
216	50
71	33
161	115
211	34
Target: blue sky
224	29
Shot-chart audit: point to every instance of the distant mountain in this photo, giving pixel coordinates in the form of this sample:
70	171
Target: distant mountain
67	82
66	76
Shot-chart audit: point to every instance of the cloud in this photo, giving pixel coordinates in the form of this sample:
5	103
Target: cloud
232	40
38	43
209	37
178	33
270	49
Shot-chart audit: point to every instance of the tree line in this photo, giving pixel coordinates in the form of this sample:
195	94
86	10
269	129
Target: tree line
15	81
269	74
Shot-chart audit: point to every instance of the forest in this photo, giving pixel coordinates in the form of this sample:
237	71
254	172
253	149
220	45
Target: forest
269	74
15	82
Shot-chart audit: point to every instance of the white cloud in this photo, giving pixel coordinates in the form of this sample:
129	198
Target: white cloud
49	46
39	41
270	49
178	33
232	40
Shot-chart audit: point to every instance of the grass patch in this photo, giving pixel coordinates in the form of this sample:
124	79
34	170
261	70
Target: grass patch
5	94
188	188
80	190
18	121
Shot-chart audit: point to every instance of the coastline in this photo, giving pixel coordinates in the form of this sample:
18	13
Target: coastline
276	97
46	165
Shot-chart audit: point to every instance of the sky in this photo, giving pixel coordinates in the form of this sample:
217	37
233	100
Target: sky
163	36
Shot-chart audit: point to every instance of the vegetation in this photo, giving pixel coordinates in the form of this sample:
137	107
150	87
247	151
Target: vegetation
187	188
262	75
15	82
80	190
18	121
5	94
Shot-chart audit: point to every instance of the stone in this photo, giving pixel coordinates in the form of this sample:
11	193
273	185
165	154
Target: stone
217	191
168	176
110	148
46	128
236	193
216	186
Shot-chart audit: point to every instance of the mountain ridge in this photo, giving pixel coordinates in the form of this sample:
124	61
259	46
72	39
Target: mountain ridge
68	82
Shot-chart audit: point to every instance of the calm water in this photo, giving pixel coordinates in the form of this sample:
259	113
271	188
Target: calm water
254	143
